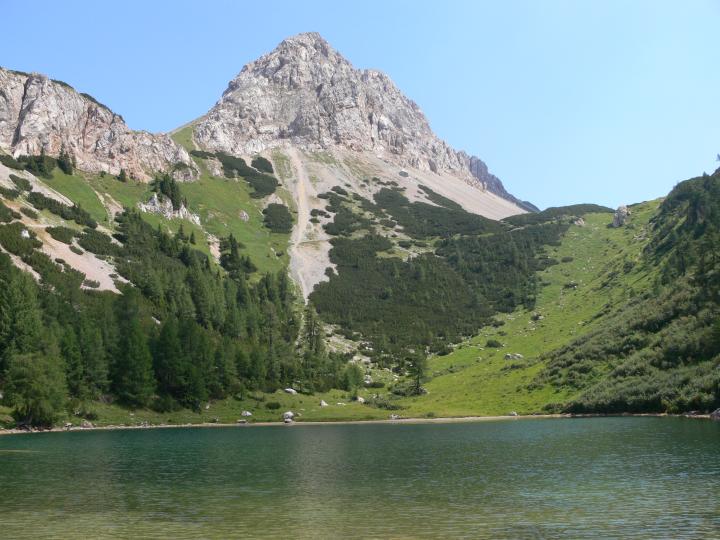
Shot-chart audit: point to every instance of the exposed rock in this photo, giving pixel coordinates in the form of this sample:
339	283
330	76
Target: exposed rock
242	421
621	216
715	415
244	215
323	403
86	424
307	94
513	356
513	413
288	416
291	391
163	206
215	167
580	222
25	233
38	114
360	400
246	413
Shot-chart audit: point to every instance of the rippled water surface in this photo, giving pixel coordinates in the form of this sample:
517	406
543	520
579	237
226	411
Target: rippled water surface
580	478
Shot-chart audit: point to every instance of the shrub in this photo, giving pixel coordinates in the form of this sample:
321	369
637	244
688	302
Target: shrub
10	162
41	165
7	214
262	165
272	405
29	212
262	184
62	234
278	218
12	240
22	184
76	250
566	259
98	243
11	194
74	213
493	343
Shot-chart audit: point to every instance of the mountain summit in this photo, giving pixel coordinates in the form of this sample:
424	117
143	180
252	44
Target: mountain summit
307	94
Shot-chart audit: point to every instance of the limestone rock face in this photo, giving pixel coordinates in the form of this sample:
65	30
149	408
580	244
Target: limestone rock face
621	216
163	206
38	114
306	94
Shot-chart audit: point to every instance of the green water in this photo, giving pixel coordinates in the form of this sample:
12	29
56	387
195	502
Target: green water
580	478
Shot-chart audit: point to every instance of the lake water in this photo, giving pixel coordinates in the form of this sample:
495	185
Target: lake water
579	478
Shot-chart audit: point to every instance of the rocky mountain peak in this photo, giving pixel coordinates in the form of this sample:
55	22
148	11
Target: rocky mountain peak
38	113
306	94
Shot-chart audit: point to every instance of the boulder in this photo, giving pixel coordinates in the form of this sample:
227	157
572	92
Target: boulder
360	400
246	413
25	233
513	413
291	391
715	415
86	424
323	403
242	421
288	416
621	216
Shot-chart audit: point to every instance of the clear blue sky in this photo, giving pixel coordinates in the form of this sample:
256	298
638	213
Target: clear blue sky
566	101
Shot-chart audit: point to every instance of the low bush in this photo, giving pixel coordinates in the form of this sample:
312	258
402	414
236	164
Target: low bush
23	184
278	218
62	234
262	165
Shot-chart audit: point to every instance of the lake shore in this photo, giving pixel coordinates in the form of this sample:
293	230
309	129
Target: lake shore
397	421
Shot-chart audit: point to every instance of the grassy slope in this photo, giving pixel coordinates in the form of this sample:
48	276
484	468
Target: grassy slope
474	380
219	202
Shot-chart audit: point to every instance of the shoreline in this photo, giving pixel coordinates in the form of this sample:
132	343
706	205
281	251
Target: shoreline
397	421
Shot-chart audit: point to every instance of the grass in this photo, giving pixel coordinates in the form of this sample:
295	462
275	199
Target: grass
219	202
77	188
476	380
184	138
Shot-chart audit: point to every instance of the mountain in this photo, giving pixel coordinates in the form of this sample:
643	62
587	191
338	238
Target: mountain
419	287
39	114
305	93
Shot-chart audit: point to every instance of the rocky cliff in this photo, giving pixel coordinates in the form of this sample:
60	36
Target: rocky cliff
37	114
305	93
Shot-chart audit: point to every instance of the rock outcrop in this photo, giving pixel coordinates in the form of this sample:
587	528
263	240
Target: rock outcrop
163	206
37	113
621	216
306	94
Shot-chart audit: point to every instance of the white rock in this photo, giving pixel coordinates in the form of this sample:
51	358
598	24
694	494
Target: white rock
288	415
37	113
306	93
246	413
291	391
323	403
25	233
360	399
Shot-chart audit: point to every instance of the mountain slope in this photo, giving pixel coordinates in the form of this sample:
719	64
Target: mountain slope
38	114
306	94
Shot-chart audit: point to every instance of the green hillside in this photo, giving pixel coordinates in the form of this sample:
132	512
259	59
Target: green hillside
444	312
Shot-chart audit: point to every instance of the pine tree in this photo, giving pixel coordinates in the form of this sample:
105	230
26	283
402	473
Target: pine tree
35	389
134	383
74	368
20	317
